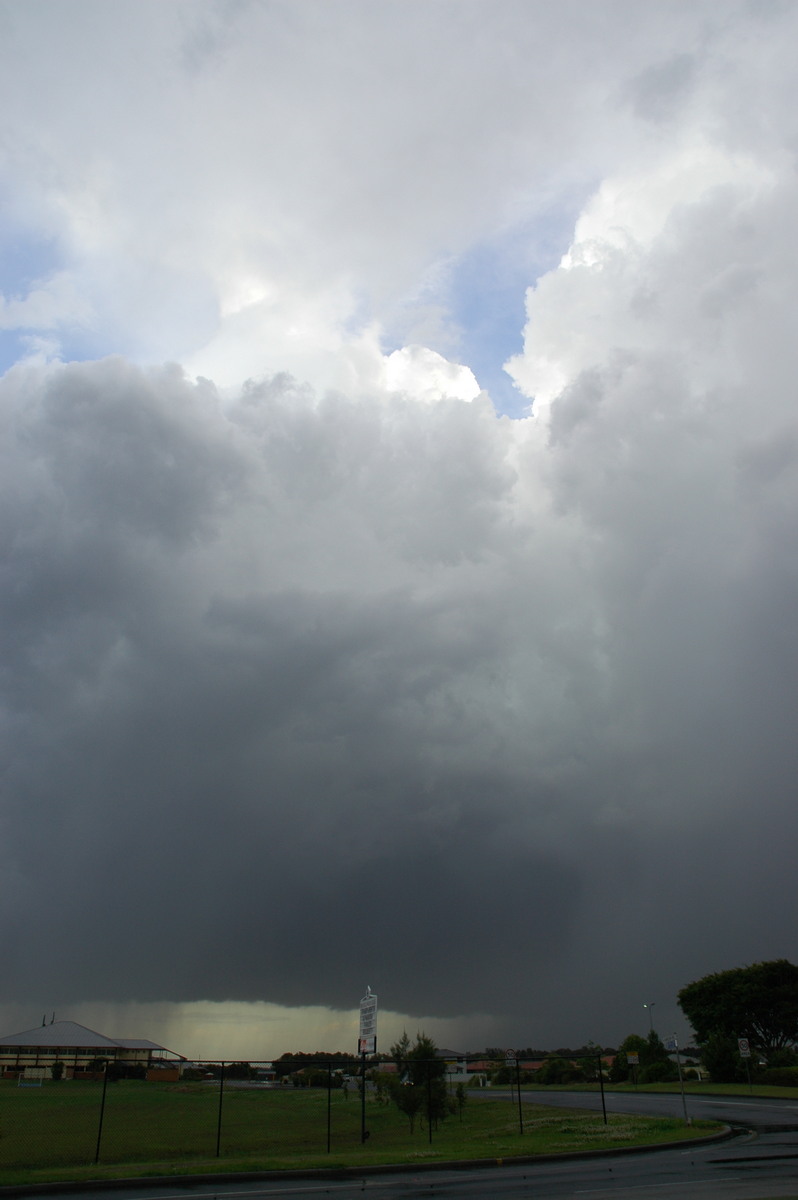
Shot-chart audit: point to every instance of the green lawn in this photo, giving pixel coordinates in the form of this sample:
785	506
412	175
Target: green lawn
50	1133
691	1088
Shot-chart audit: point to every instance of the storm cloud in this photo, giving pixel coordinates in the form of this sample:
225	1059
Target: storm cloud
318	677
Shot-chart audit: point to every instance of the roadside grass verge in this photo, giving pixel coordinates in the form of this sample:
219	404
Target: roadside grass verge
49	1134
691	1087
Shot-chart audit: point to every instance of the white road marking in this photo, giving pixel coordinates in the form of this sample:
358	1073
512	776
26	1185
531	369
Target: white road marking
645	1187
745	1104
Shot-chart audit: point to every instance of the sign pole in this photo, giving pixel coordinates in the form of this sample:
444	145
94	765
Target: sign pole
511	1060
518	1085
673	1044
599	1064
744	1049
102	1113
367	1044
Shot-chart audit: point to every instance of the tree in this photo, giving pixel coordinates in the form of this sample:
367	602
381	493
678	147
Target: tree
399	1053
662	1071
621	1069
408	1099
509	1075
420	1081
556	1069
461	1096
759	1002
590	1062
655	1065
720	1057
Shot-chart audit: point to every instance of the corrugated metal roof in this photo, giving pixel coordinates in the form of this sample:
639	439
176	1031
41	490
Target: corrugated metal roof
138	1044
68	1034
59	1033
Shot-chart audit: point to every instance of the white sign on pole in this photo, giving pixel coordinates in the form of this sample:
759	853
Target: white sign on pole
510	1056
744	1047
367	1042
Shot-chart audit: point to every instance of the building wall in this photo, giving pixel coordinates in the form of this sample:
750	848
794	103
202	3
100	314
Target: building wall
76	1059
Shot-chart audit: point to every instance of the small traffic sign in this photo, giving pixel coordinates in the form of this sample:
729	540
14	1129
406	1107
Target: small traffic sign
744	1047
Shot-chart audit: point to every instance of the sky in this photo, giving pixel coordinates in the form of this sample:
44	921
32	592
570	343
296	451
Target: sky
399	522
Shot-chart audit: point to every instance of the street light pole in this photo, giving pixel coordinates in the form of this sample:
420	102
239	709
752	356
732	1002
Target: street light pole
650	1015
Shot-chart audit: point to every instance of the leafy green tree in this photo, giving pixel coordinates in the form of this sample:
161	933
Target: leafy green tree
420	1081
759	1002
508	1076
720	1057
783	1058
634	1044
382	1081
590	1063
556	1069
408	1099
399	1053
621	1069
427	1071
663	1071
461	1097
655	1064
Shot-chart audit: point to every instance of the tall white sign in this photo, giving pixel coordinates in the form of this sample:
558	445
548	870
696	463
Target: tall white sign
367	1042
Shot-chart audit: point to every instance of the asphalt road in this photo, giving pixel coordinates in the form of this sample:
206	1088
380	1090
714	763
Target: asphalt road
749	1112
761	1161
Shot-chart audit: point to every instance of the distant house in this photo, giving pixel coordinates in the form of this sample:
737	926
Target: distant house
456	1065
481	1066
79	1048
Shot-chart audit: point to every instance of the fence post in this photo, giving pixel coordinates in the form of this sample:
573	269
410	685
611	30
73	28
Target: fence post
219	1119
429	1101
601	1084
518	1085
102	1113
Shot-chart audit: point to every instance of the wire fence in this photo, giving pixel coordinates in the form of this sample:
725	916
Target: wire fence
276	1113
210	1110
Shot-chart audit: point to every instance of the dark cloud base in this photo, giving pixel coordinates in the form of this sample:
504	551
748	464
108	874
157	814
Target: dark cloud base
299	694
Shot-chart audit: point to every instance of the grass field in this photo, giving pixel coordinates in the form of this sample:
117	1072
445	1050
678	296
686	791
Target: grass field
50	1133
691	1088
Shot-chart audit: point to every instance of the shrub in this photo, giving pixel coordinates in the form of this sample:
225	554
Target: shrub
779	1076
559	1070
659	1072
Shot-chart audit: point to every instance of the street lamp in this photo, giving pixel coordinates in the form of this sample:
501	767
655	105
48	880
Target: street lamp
650	1015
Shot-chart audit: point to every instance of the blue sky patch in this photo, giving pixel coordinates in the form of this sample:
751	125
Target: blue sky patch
25	258
475	305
